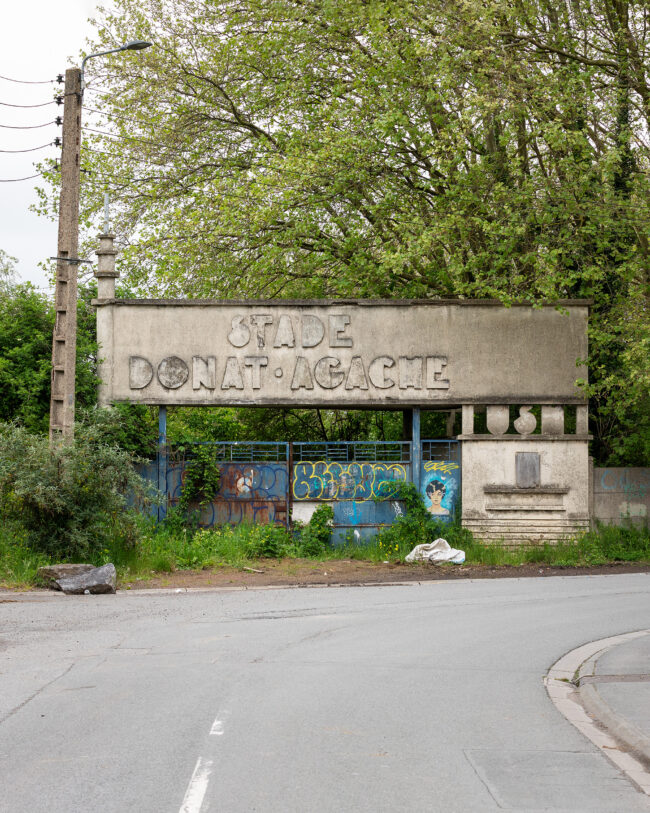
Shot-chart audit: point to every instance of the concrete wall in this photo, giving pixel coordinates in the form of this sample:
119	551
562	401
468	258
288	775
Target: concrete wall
497	508
339	354
622	496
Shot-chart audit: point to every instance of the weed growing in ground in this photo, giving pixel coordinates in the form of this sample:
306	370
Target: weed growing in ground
18	563
315	537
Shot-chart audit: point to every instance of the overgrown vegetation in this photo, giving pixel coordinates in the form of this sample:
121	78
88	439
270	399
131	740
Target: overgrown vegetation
315	536
71	500
151	549
417	526
601	546
201	477
26	324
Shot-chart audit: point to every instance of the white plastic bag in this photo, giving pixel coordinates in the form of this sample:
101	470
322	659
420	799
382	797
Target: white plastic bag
436	552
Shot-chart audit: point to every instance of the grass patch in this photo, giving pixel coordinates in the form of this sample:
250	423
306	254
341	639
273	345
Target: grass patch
168	548
603	545
18	562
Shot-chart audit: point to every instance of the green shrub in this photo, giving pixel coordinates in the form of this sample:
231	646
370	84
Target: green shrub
417	526
267	542
201	476
315	537
71	499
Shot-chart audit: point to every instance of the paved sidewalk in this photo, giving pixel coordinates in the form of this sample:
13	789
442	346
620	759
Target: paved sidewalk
615	690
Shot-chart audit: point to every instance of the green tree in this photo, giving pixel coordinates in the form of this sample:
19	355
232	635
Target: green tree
408	148
7	270
26	325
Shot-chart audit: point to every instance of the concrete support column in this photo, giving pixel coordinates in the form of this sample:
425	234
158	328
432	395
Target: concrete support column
468	419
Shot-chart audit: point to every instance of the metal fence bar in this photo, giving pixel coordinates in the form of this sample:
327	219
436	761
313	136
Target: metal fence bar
416	453
162	460
238	451
440	450
353	451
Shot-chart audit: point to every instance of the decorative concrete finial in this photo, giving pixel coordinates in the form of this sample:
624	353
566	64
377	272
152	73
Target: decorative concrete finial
106	273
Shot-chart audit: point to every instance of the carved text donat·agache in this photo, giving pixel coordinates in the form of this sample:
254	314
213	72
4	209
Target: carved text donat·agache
327	373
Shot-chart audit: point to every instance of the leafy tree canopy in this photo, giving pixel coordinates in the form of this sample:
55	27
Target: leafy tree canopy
408	148
26	325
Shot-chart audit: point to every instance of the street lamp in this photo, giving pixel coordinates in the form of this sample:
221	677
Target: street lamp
64	338
133	45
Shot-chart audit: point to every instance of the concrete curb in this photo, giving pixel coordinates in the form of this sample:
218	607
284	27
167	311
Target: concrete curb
623	730
561	685
627	733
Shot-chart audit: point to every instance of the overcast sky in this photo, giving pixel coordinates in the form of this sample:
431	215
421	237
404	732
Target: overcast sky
39	39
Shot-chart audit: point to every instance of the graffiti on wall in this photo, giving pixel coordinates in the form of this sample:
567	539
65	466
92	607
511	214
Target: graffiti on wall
323	480
248	492
633	482
440	486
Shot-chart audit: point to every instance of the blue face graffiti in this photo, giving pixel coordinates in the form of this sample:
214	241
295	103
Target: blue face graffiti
435	491
439	487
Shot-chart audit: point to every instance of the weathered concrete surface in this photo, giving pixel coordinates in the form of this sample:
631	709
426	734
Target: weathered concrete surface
622	496
339	353
499	509
418	698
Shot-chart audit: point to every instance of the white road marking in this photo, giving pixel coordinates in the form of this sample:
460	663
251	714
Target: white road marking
217	728
195	793
196	790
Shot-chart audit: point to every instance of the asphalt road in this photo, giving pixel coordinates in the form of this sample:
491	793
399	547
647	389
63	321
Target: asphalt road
396	698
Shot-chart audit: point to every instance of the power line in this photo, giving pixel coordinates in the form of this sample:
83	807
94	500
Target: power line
27	82
13	180
27	127
127	138
32	149
26	106
111	115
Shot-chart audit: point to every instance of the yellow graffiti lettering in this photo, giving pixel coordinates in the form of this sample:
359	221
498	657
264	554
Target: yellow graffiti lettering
445	466
323	480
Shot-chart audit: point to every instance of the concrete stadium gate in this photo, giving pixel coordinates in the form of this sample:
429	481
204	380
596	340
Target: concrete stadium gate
525	478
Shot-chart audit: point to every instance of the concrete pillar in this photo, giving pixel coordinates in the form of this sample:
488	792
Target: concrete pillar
106	276
106	273
468	419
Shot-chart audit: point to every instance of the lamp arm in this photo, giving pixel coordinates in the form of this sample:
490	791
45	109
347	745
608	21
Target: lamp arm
90	56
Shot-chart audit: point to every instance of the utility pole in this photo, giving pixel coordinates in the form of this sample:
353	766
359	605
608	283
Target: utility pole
64	340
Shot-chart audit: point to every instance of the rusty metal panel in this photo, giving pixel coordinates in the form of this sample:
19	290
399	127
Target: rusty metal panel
254	492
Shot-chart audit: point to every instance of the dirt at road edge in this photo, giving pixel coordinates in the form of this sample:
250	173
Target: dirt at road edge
306	572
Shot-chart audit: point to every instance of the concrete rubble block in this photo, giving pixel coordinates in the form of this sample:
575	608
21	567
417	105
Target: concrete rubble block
98	580
48	576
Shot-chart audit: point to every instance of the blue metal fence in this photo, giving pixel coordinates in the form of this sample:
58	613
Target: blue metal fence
271	482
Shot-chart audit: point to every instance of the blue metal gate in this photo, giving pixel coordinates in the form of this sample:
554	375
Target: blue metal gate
280	482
